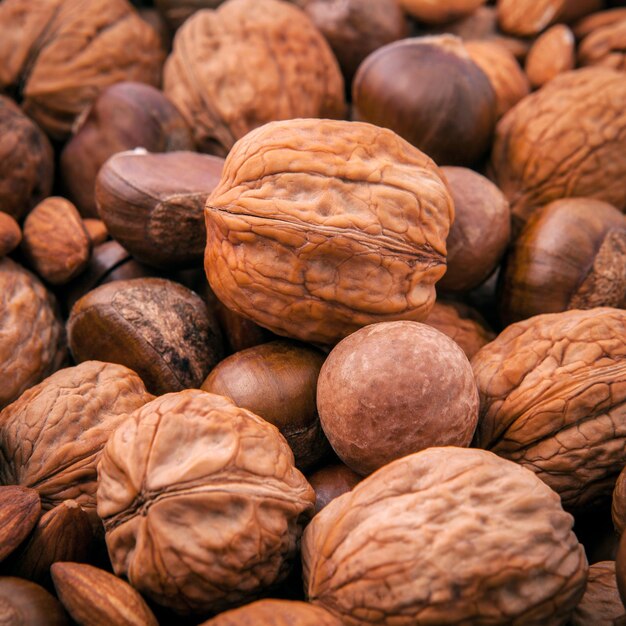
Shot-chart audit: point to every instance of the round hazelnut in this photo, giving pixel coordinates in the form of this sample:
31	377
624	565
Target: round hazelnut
330	482
552	53
394	388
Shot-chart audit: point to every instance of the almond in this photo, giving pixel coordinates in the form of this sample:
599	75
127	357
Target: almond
19	511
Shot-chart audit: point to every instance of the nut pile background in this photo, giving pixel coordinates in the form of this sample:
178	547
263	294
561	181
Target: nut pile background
313	312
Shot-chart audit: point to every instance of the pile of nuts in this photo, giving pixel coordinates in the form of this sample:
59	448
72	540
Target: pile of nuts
313	312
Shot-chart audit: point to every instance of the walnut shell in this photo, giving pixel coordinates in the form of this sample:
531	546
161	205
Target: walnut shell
213	530
51	437
320	227
33	339
549	146
445	536
248	63
552	398
552	53
618	504
601	604
61	56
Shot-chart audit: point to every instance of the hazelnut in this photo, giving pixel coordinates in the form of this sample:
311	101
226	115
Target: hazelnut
10	234
399	87
552	53
330	482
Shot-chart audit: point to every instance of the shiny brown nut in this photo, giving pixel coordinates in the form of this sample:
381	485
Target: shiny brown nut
618	505
507	78
480	232
20	508
176	12
93	597
552	399
570	255
605	46
330	482
552	53
153	204
445	536
158	328
27	604
597	20
33	340
548	147
26	160
451	120
462	324
601	604
60	57
267	62
441	11
215	530
125	115
392	389
10	234
275	613
56	242
320	227
69	416
278	382
96	230
355	29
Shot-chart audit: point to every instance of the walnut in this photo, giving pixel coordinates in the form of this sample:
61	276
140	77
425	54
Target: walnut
320	227
51	437
248	63
33	340
618	505
601	603
445	536
605	46
58	57
201	502
551	144
553	53
552	398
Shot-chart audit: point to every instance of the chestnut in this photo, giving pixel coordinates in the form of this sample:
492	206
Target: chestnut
330	482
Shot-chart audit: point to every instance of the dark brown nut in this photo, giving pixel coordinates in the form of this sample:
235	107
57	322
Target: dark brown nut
26	160
355	29
267	62
507	78
392	389
240	332
330	482
598	20
552	53
27	604
278	382
440	12
52	436
480	232
176	12
462	324
618	506
552	398
215	530
445	536
56	242
10	234
124	116
19	511
605	46
58	58
94	597
33	340
156	327
275	613
601	604
451	120
548	147
570	255
620	568
153	204
320	227
96	230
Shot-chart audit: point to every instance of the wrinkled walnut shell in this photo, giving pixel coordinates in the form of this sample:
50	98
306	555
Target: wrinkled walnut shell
601	604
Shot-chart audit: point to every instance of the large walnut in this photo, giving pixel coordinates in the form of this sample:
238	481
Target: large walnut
32	339
553	398
566	140
52	436
601	604
201	502
57	55
320	227
248	63
445	536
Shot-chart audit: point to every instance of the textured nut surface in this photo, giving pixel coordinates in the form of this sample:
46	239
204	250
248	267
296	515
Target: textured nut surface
618	505
597	20
528	17
23	603
248	63
320	227
51	437
552	398
601	604
19	511
201	502
441	11
551	54
32	340
56	243
10	234
445	536
551	144
605	46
